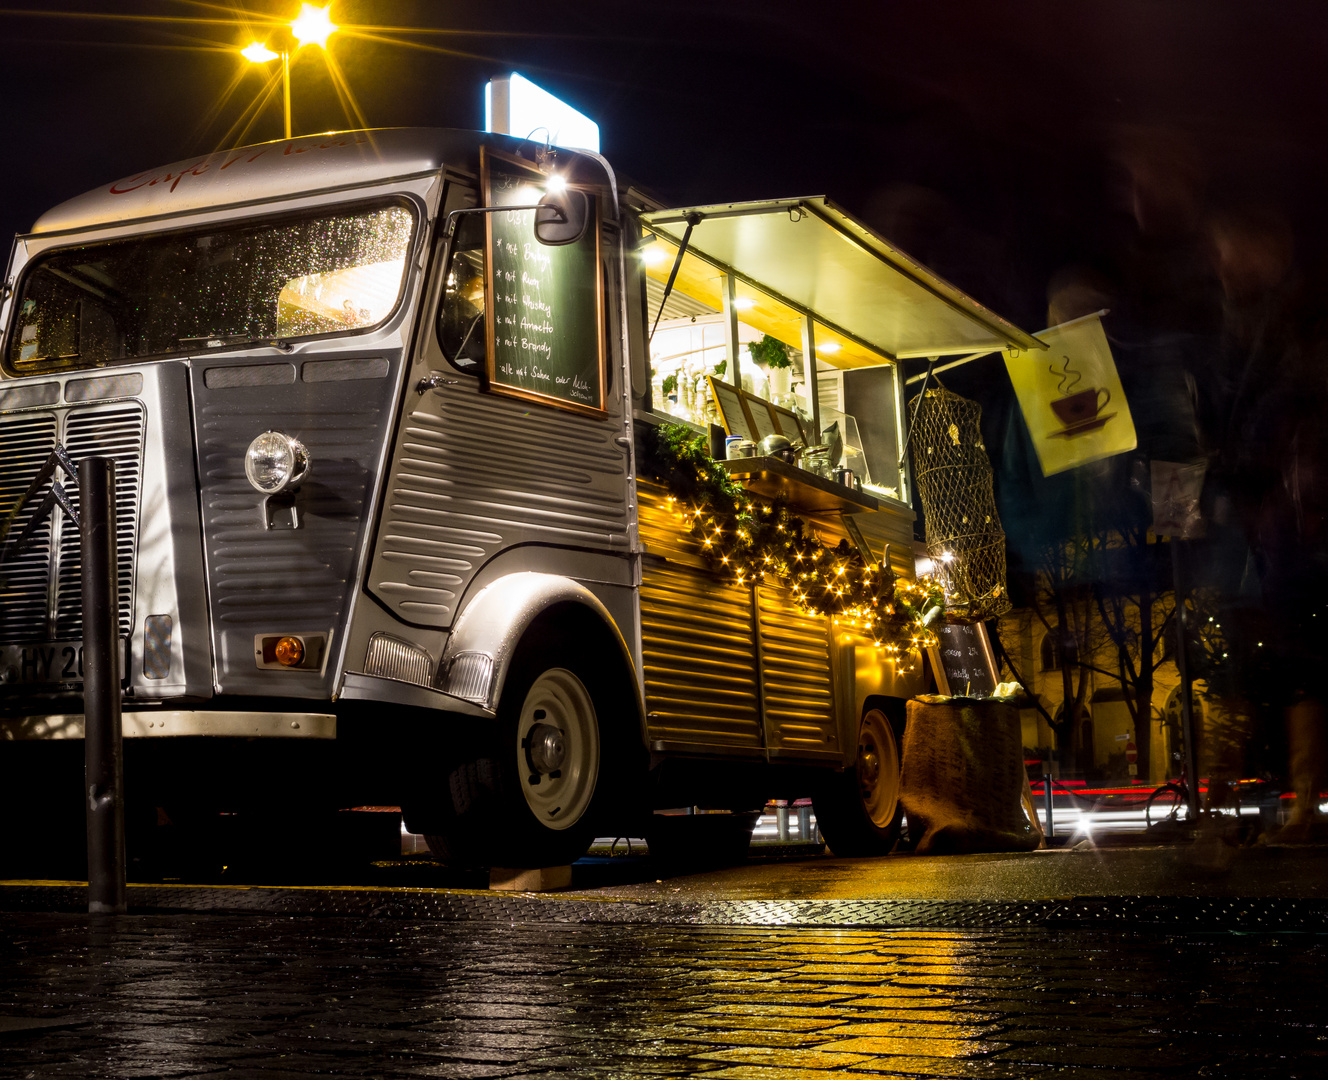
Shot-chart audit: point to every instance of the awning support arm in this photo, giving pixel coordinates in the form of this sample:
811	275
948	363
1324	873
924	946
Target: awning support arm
952	364
692	220
928	375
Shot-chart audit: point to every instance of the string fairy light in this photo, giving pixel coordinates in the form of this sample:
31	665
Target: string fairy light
745	540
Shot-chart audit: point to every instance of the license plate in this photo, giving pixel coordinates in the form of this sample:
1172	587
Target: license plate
48	664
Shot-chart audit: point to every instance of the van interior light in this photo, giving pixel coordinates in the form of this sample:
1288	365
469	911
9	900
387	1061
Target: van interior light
654	255
276	462
555	185
828	347
744	303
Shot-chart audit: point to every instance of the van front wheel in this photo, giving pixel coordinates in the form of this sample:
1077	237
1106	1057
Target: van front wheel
858	811
526	794
557	749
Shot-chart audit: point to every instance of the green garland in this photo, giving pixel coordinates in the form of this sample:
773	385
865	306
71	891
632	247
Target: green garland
747	539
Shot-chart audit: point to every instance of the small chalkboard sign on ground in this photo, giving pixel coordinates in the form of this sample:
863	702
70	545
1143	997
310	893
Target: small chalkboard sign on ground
545	318
963	662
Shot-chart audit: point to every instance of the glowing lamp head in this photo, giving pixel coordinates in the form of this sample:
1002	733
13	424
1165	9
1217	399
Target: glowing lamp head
258	53
276	462
555	185
313	26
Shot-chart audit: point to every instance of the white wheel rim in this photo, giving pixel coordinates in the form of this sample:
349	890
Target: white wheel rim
878	769
558	798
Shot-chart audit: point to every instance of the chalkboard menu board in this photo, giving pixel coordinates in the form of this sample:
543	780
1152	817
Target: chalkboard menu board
963	662
545	315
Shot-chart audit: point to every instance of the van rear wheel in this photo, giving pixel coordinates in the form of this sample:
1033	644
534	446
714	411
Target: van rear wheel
858	811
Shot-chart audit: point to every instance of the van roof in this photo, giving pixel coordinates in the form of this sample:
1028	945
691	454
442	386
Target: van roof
271	170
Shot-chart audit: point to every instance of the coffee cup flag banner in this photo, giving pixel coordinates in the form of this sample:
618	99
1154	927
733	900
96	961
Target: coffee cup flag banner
1071	397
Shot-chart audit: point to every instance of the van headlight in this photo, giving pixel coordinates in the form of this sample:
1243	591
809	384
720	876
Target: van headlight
276	462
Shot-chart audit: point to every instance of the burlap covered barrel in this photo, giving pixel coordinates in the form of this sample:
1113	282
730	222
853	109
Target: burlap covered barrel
963	781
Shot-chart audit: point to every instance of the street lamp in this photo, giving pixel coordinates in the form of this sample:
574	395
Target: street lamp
312	26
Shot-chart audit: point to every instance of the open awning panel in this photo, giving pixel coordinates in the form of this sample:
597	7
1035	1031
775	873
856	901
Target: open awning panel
810	253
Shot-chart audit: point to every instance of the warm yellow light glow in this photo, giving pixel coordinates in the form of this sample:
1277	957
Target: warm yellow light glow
654	255
258	53
556	185
828	347
744	303
313	26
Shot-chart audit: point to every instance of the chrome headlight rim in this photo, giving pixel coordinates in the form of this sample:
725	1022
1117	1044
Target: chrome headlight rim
296	462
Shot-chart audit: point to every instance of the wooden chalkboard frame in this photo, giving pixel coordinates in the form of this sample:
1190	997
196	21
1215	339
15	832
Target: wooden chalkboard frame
721	392
790	425
491	380
758	408
943	683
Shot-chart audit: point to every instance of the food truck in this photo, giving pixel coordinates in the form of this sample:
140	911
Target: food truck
376	402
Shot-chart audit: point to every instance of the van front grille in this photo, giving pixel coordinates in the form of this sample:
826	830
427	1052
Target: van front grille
40	593
26	440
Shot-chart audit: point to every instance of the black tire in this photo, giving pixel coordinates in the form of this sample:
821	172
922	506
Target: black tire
499	809
858	810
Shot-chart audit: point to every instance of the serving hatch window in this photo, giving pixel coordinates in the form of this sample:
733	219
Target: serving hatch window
207	288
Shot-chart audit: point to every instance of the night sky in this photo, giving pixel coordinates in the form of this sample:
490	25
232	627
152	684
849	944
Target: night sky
982	137
988	139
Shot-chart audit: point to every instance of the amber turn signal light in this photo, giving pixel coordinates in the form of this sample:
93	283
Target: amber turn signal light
289	651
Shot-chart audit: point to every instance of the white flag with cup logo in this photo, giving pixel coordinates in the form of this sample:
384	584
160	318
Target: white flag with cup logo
1071	397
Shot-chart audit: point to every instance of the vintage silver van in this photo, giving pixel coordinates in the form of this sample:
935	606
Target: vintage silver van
383	535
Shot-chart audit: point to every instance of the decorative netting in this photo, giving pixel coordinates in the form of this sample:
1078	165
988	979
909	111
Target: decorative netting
964	535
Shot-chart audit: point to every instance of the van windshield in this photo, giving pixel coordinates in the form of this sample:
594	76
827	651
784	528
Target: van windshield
208	288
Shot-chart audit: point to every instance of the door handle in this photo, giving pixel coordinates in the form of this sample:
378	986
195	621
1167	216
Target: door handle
435	380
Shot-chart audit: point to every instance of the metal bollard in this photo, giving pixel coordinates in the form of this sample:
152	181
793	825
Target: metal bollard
102	735
804	824
781	820
1046	795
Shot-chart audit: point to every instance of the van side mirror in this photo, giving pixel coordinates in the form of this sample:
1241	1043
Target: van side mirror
562	218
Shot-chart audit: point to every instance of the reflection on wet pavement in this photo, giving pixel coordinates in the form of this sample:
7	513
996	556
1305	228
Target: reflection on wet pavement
197	995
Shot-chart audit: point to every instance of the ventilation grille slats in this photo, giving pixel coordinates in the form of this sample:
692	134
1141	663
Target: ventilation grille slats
32	588
25	442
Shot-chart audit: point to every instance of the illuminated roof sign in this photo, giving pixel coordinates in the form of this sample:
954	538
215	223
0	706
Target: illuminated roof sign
513	105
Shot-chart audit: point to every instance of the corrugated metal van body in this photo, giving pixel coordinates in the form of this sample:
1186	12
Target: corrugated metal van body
281	580
698	640
207	564
727	665
476	474
744	668
795	673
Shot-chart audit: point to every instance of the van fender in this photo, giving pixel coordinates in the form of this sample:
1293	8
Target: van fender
489	631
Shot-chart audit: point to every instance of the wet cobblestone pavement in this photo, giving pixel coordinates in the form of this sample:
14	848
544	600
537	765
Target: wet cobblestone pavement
202	995
1189	914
